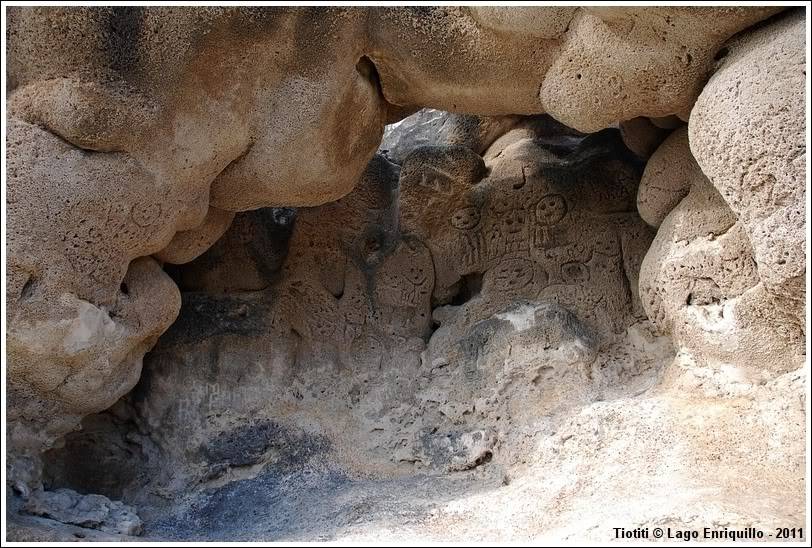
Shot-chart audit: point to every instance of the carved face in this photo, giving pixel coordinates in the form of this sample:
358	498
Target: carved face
606	242
417	274
465	218
551	209
513	221
574	273
418	267
512	274
501	204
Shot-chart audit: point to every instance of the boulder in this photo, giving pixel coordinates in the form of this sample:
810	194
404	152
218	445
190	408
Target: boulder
747	134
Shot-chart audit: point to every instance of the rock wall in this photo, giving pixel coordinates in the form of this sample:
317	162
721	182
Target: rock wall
760	172
502	263
419	325
725	275
289	387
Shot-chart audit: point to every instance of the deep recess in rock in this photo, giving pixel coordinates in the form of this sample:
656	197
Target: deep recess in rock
351	318
483	330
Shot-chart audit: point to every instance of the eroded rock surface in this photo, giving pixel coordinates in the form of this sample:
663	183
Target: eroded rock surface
87	511
463	329
588	67
127	139
724	275
747	134
321	404
434	251
700	283
667	179
73	358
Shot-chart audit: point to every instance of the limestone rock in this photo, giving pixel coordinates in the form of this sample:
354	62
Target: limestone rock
89	511
84	356
667	178
618	63
515	228
124	134
351	317
747	133
428	338
699	281
642	136
544	24
544	130
130	127
323	397
190	244
348	317
596	66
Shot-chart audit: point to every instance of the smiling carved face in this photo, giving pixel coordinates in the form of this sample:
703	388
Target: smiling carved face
551	209
465	218
417	274
513	221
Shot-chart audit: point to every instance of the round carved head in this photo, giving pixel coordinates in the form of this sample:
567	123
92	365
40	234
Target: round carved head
465	218
551	209
513	274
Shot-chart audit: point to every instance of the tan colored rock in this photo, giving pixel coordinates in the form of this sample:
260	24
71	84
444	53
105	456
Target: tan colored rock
542	129
700	284
316	125
619	63
513	388
84	303
589	68
121	120
190	244
747	133
549	23
724	275
353	314
132	131
667	178
707	279
312	390
83	356
109	105
516	228
641	136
